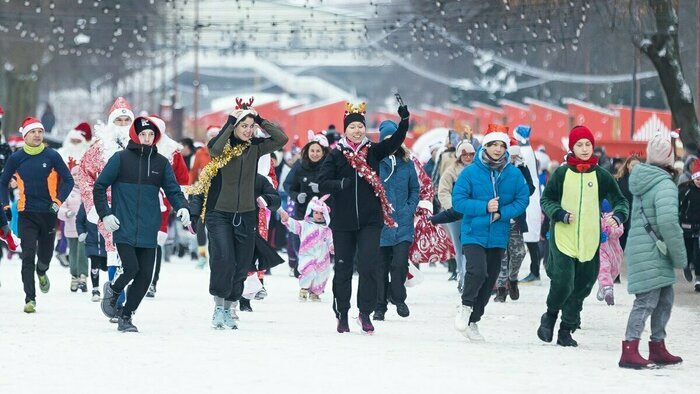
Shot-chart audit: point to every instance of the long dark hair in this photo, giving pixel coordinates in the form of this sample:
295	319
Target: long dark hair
305	152
623	171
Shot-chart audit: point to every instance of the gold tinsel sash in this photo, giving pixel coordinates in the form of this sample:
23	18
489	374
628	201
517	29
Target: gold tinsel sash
209	172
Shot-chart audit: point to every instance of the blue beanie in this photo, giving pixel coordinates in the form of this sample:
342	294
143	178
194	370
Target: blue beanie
606	207
386	129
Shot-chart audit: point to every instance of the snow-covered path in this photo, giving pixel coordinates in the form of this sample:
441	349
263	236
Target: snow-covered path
289	347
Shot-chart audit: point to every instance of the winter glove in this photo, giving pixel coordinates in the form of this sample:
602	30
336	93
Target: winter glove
261	202
314	187
54	208
301	197
403	112
111	223
8	214
184	215
82	237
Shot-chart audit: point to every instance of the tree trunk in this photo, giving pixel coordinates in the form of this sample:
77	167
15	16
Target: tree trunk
21	101
662	49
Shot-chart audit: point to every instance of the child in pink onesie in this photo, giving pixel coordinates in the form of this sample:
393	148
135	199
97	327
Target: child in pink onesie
610	256
315	249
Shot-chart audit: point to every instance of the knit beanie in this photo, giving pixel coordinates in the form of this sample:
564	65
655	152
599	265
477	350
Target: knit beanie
695	169
464	147
660	151
386	129
579	133
354	113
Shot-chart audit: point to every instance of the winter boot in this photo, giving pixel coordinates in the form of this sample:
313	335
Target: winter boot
402	309
697	285
115	319
452	277
660	356
501	295
44	283
303	295
565	339
244	305
124	323
260	295
234	315
472	333
631	358
530	279
151	291
95	295
364	321
464	312
343	325
217	320
82	283
600	295
314	297
109	302
73	284
229	321
378	315
609	295
546	330
688	273
513	291
30	307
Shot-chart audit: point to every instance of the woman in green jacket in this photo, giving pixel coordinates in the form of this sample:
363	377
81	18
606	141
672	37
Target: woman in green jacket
650	263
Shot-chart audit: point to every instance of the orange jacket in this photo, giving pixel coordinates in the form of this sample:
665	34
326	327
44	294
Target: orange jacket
201	159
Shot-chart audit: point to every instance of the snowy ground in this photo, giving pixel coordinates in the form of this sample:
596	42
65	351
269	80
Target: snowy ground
288	347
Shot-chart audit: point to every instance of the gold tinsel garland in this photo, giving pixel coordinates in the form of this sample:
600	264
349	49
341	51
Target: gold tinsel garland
209	172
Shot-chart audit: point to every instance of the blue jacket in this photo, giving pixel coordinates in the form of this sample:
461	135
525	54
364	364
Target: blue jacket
136	174
42	179
94	243
476	185
401	186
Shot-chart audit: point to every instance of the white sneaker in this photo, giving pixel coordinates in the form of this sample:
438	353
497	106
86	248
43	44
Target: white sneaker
472	333
234	315
462	318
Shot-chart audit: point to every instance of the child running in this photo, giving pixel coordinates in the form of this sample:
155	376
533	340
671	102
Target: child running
315	249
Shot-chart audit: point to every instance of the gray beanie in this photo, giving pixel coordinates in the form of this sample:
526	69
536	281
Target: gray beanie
660	151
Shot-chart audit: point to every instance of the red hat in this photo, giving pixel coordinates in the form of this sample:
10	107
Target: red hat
695	169
121	107
85	130
496	132
579	133
29	124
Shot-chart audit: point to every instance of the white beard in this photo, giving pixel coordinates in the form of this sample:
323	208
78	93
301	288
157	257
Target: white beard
74	151
113	139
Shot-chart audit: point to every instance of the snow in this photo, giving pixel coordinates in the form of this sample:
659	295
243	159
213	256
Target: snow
286	346
685	93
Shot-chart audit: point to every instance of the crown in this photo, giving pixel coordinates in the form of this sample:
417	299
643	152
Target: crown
355	109
243	105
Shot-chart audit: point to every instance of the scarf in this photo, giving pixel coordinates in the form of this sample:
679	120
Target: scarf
581	165
493	164
358	161
33	150
210	170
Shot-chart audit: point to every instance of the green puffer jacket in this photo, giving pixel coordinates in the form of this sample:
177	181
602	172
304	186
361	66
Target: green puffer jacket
647	267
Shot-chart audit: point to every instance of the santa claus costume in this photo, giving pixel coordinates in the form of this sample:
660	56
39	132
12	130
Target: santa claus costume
110	139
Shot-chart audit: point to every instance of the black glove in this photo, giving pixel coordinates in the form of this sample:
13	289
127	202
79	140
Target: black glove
259	119
403	112
346	183
8	214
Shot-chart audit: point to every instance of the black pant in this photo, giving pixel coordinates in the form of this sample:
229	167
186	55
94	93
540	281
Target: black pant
693	253
231	247
38	233
201	233
159	258
395	262
534	249
365	242
97	264
483	267
137	264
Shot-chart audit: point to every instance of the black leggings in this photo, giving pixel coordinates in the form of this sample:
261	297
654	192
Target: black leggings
38	233
395	262
483	267
534	249
138	267
693	253
97	264
159	258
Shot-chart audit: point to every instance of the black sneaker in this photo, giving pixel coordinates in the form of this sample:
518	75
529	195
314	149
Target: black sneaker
151	291
697	285
546	330
452	277
688	273
378	315
402	309
564	338
501	295
343	325
125	325
109	301
365	323
244	305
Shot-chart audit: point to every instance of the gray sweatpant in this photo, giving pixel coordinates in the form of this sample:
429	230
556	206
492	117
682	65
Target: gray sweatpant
657	304
455	231
513	258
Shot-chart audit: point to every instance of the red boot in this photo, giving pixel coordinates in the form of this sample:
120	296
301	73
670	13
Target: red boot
631	358
659	355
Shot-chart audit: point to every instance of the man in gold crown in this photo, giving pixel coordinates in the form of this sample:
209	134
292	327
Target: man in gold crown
229	207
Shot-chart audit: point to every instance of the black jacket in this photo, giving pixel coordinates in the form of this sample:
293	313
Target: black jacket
297	181
354	204
689	208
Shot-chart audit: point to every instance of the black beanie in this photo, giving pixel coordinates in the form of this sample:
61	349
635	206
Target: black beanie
353	117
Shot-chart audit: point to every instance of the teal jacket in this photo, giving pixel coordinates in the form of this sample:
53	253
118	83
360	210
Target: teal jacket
647	267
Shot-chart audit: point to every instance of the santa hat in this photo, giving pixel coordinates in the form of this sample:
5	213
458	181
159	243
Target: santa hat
354	113
514	148
15	141
29	124
695	169
319	204
496	132
212	131
522	133
246	109
319	139
81	132
121	107
160	123
579	133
